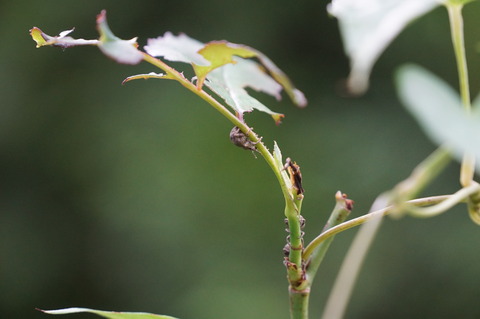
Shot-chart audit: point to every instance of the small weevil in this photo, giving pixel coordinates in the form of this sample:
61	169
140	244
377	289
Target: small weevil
240	139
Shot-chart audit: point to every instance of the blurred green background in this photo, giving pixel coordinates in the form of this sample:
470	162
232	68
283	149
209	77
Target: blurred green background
132	197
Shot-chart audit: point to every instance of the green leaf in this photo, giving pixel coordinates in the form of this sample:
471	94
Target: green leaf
219	53
277	155
122	51
230	81
438	109
108	314
368	27
179	48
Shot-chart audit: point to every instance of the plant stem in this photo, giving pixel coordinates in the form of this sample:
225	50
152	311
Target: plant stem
420	177
445	205
457	34
294	262
343	287
300	293
298	289
313	245
299	303
339	215
295	269
174	74
467	170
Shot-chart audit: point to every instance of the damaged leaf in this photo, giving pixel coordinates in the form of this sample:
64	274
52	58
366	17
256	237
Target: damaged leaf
218	53
122	51
62	40
219	65
179	48
221	52
230	83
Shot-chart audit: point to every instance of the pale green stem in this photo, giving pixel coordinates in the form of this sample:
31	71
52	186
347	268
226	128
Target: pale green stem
467	170
440	208
343	287
299	303
399	197
296	245
313	245
300	295
421	176
339	214
297	291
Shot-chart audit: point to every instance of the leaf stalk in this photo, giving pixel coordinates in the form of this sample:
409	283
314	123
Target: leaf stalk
454	9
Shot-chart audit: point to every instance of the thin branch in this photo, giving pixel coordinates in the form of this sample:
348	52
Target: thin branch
364	218
467	169
443	206
339	214
343	287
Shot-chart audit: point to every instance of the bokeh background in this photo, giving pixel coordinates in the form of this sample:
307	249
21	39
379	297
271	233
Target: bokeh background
132	197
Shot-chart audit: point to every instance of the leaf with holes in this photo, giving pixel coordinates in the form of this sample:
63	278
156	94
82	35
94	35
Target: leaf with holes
230	83
122	51
221	67
219	53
